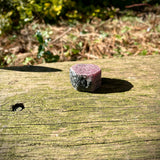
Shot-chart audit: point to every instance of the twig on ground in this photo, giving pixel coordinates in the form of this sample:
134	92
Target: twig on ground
63	34
138	5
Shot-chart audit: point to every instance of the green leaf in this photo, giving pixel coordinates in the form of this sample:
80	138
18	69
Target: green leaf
80	44
67	53
125	29
41	51
73	37
75	51
48	53
8	59
46	41
84	32
118	36
49	57
27	60
143	52
39	37
66	47
103	34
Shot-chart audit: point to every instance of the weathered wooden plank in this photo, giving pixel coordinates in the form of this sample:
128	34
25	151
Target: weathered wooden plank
119	121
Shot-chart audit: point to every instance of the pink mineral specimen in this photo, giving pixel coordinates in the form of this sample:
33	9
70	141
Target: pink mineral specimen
85	77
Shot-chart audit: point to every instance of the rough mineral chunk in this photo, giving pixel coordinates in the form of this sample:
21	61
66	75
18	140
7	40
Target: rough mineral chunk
85	77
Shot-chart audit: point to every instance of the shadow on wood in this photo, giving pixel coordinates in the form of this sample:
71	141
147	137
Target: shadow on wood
30	68
114	86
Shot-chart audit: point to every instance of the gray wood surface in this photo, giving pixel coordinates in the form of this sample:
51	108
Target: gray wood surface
121	120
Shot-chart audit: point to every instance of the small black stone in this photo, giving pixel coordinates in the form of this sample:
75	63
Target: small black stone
17	106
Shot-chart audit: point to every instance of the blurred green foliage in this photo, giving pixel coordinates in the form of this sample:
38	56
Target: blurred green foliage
8	59
14	14
42	52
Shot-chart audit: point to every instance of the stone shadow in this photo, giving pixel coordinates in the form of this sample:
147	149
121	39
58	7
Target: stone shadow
113	86
30	68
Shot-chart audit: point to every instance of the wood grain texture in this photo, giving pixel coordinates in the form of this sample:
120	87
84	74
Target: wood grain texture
119	121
